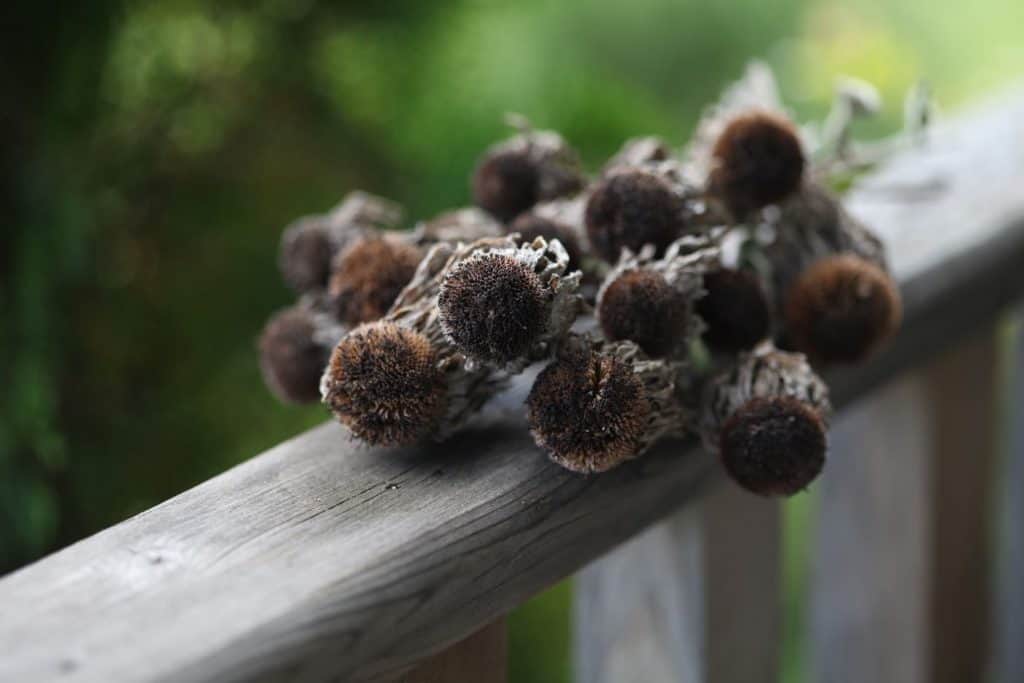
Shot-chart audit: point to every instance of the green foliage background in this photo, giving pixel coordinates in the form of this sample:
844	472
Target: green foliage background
152	151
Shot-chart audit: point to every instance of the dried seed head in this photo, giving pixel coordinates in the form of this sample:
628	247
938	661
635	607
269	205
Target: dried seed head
291	358
841	309
767	419
735	310
507	305
383	383
368	276
774	446
631	208
530	226
757	160
531	167
588	411
459	225
640	305
305	254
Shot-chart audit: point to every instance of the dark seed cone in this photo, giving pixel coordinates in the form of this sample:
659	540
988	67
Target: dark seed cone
294	347
383	383
305	254
652	301
368	275
767	420
532	225
632	208
757	161
600	404
735	309
531	167
841	309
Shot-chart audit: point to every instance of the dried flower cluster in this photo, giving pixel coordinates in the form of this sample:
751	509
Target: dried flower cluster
669	294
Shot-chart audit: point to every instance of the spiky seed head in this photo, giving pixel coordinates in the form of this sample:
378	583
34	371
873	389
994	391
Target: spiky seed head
368	276
630	209
291	361
588	411
505	183
383	383
841	308
735	309
774	446
531	226
305	255
757	161
493	307
640	305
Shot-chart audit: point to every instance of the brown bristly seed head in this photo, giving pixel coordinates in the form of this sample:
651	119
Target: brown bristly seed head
531	226
735	309
384	384
291	362
368	276
630	209
758	161
641	306
841	308
588	411
305	255
505	183
492	307
774	446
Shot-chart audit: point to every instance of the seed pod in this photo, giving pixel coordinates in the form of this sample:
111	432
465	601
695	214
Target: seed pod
767	420
841	308
294	347
506	305
601	403
757	161
651	301
532	225
735	310
531	167
631	208
368	275
465	387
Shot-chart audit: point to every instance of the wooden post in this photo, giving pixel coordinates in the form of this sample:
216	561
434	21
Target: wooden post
695	598
900	589
480	658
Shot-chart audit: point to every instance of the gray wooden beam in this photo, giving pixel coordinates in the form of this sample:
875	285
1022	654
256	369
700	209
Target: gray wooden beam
322	560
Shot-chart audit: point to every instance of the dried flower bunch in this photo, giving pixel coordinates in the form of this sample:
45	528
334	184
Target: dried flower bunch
671	294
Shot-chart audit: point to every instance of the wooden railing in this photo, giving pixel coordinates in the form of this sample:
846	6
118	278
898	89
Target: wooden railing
320	560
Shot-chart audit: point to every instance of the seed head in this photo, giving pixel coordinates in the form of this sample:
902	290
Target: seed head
588	411
291	358
841	309
305	254
383	383
368	276
631	208
757	160
641	306
531	225
531	167
773	446
735	310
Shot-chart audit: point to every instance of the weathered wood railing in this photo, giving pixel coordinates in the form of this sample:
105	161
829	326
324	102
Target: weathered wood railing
322	561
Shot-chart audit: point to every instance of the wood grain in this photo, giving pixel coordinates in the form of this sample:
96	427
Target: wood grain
320	560
480	658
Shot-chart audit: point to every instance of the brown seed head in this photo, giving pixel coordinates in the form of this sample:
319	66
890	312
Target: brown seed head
641	306
305	255
757	161
841	308
630	209
531	226
290	359
368	276
774	446
588	411
735	310
383	383
493	307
